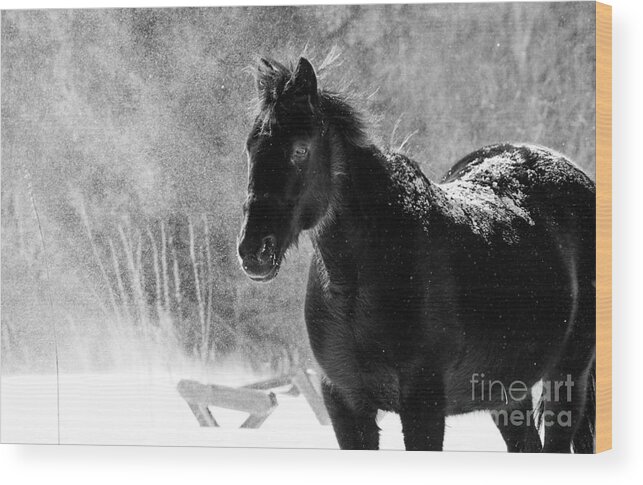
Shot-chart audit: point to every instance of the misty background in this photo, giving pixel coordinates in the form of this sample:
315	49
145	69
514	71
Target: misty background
123	171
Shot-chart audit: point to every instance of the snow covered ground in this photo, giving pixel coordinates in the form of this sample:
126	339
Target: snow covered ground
142	407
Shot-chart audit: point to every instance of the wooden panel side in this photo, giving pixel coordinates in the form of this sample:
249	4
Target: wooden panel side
603	227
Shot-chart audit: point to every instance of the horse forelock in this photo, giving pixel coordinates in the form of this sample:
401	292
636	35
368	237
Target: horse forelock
275	107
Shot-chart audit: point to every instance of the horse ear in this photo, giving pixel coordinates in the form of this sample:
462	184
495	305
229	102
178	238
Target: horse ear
264	76
304	80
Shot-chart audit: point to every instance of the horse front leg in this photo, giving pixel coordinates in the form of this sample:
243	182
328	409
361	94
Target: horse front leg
355	426
422	412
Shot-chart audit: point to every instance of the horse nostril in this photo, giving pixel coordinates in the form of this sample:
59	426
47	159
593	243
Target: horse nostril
267	249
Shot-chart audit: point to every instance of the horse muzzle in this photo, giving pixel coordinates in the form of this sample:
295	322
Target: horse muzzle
260	261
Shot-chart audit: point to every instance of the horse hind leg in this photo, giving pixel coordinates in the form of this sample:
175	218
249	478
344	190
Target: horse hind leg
567	384
584	440
518	427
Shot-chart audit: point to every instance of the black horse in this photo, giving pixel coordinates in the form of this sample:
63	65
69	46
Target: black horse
427	299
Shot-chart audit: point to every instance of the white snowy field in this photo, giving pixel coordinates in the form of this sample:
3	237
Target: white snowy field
143	408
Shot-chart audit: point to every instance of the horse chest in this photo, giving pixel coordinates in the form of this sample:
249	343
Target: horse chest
354	353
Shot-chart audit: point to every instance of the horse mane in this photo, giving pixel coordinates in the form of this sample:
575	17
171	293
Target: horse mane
272	79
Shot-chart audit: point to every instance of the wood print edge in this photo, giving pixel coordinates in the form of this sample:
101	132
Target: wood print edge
603	227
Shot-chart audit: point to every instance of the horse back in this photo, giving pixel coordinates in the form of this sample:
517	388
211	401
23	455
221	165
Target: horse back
528	189
530	168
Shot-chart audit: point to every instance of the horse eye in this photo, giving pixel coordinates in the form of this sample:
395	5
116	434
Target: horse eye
299	154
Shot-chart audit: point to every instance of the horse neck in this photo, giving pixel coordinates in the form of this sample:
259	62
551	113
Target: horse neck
333	237
359	182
